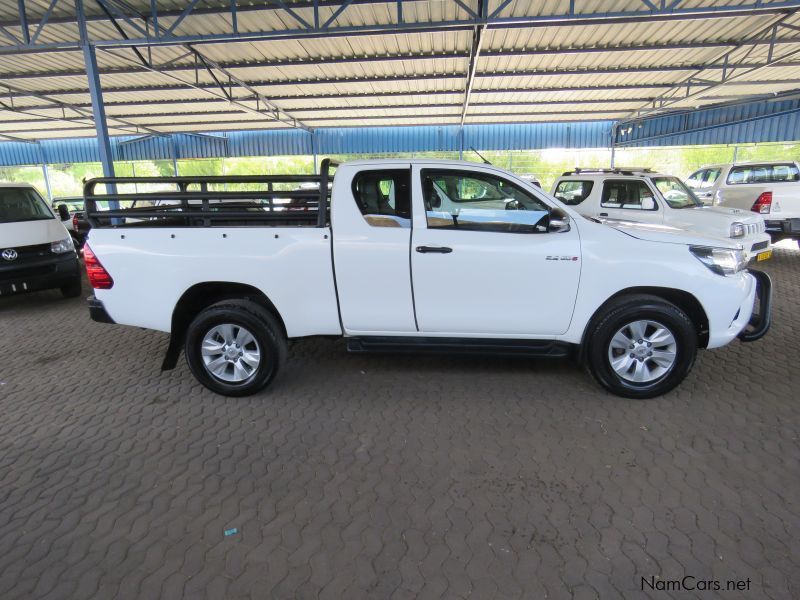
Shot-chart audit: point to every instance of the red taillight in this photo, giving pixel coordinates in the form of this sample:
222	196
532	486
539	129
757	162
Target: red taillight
99	278
75	223
763	204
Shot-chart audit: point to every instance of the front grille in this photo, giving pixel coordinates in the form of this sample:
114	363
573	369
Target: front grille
753	228
759	246
27	253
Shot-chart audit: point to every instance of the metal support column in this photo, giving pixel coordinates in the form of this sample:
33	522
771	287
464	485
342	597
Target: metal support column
313	134
46	173
96	93
614	133
174	155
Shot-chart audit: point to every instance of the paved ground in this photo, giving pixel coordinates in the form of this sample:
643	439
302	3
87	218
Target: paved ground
389	477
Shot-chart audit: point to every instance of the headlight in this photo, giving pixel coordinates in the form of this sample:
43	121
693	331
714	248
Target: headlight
722	261
62	246
737	230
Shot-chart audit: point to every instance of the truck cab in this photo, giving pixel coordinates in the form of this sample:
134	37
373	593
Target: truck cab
36	250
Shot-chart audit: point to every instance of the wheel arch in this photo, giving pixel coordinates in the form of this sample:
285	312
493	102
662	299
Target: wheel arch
684	300
202	295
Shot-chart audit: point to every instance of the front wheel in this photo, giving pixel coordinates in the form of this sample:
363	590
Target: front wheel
641	346
73	288
235	347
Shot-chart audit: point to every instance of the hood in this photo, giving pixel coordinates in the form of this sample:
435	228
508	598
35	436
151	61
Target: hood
30	233
714	220
669	235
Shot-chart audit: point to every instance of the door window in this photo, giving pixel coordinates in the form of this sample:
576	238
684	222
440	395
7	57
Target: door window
697	178
628	194
384	197
711	178
480	202
573	192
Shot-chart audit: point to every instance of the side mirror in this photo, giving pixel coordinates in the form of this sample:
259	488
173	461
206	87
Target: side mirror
648	204
559	221
63	212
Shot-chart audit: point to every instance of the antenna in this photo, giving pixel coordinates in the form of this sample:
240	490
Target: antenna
483	158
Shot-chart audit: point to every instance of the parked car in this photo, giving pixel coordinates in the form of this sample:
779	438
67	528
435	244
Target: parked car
769	188
36	251
641	195
76	223
532	179
491	263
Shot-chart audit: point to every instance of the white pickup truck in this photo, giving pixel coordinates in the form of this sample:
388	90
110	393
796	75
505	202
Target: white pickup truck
641	195
771	189
415	256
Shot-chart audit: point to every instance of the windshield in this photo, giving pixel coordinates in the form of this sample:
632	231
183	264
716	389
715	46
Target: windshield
675	193
22	204
72	204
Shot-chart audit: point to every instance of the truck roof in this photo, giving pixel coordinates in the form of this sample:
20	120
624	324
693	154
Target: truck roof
15	185
744	163
615	172
442	161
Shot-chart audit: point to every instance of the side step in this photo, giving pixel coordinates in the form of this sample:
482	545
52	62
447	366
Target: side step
447	345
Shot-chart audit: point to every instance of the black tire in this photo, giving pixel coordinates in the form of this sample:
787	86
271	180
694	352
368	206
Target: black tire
627	309
72	289
255	319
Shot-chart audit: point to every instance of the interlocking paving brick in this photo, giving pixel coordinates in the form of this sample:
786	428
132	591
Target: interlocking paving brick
361	476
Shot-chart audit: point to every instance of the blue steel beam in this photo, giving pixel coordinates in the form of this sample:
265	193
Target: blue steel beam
373	94
171	66
359	109
96	93
475	53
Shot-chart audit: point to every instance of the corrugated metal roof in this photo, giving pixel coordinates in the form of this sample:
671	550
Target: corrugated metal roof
561	70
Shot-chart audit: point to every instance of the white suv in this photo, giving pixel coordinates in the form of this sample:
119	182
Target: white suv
770	188
643	196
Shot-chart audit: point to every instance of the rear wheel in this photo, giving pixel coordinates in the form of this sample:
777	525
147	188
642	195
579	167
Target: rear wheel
641	346
235	347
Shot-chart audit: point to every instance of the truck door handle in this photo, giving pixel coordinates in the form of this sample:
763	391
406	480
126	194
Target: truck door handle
436	249
603	214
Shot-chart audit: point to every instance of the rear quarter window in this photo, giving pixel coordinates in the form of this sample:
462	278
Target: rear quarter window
763	174
573	192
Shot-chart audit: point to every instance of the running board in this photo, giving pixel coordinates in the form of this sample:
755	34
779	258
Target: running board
449	345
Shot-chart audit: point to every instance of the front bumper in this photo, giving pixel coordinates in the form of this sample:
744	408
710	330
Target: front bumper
41	274
760	321
756	244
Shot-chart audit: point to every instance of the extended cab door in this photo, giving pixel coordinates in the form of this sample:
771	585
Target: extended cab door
371	221
630	200
483	261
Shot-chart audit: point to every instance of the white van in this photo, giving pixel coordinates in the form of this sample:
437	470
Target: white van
36	250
